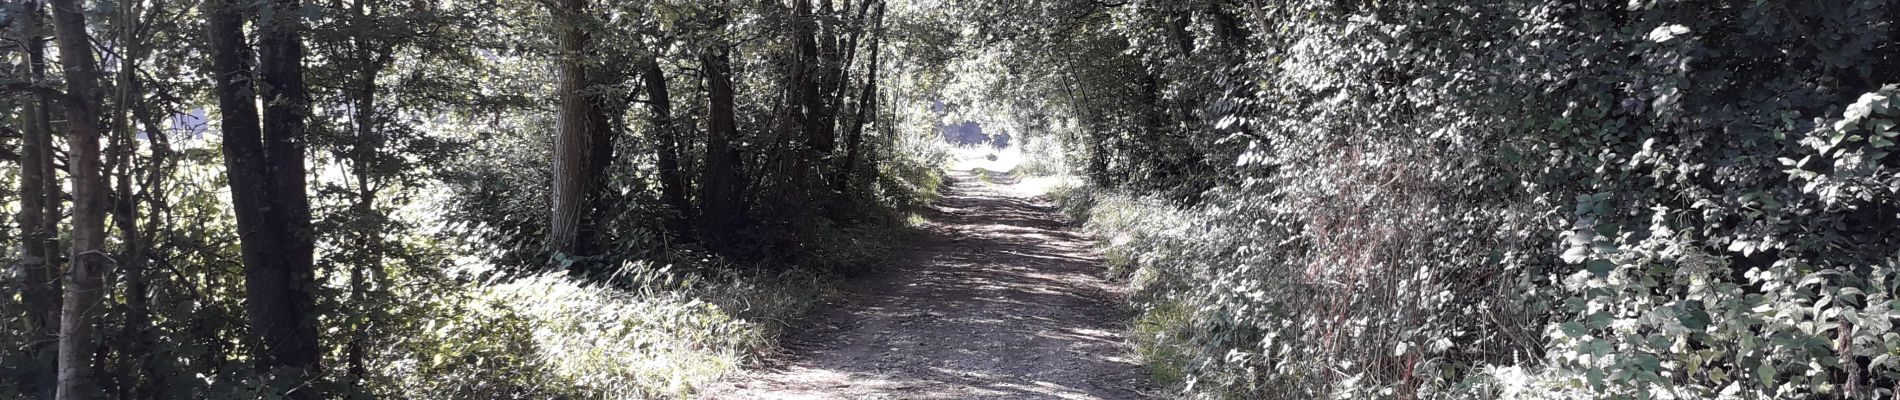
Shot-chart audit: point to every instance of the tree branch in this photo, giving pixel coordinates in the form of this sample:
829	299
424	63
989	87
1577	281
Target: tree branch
12	87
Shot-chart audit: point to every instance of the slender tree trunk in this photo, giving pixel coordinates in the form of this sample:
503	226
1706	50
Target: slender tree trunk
827	85
722	183
846	56
867	108
134	369
156	170
371	57
1154	128
39	219
369	241
806	105
672	180
1097	168
79	315
572	133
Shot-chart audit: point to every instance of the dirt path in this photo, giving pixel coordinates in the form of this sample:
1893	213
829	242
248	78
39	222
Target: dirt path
999	301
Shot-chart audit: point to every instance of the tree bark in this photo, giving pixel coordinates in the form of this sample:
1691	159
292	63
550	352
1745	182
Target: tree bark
721	184
82	306
844	56
39	219
672	180
806	102
283	294
828	85
573	132
264	161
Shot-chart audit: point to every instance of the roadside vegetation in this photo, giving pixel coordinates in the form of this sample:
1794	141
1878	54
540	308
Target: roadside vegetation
1446	199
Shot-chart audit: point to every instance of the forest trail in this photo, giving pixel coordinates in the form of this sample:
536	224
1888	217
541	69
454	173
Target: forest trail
998	300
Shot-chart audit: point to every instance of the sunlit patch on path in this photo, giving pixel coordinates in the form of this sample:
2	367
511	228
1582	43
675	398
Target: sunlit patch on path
1000	301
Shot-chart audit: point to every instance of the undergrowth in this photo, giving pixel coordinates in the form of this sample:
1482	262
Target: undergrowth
1524	199
658	327
1185	328
655	332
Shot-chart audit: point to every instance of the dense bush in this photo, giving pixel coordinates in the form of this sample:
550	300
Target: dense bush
1543	199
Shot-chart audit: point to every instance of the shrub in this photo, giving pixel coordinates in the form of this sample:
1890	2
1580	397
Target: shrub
1452	199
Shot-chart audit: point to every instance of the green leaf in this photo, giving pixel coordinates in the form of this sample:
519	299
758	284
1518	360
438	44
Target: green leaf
1766	373
1601	267
1598	320
1573	329
1649	362
1576	254
1693	318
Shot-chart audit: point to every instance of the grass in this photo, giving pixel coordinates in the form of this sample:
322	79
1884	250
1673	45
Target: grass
1159	335
656	333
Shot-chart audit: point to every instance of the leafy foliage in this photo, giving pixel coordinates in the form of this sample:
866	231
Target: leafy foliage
428	168
1452	199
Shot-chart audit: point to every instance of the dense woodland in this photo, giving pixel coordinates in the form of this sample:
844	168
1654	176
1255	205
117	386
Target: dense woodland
626	199
255	199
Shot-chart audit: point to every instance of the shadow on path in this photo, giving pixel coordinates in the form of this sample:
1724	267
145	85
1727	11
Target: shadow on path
1000	300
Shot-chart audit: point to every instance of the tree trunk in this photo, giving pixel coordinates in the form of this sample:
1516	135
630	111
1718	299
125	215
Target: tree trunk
139	321
283	293
135	366
572	134
370	58
827	86
867	108
672	180
846	56
264	163
1229	30
39	221
604	125
721	184
1179	21
79	314
806	103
